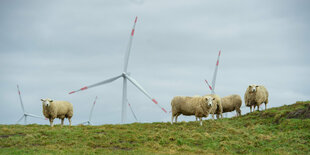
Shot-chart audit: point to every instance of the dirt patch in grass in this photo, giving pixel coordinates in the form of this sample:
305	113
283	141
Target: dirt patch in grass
112	147
121	148
300	113
7	136
101	132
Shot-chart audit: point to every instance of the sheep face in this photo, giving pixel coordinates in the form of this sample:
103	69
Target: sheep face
253	88
46	102
209	100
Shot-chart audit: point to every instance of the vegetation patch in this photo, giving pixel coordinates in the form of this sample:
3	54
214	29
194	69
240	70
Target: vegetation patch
281	130
300	113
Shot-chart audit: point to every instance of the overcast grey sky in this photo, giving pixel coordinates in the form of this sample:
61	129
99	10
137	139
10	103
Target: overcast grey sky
50	48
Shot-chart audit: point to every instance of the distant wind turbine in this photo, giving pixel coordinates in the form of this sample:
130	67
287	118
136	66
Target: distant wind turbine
212	88
125	75
25	114
90	114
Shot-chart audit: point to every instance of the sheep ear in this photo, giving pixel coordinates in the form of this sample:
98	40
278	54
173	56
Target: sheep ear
256	86
42	100
51	100
213	98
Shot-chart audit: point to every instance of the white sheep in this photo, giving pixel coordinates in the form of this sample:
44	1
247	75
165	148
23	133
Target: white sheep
216	105
255	95
198	106
230	103
57	109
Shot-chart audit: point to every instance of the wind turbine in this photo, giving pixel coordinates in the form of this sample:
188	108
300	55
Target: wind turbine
212	88
125	75
90	114
25	115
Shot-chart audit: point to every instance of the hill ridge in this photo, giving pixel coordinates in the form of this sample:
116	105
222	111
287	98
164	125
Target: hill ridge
280	130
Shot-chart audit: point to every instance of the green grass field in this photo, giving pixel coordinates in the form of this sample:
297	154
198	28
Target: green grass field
261	132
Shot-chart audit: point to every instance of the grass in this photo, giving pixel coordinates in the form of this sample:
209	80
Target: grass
264	132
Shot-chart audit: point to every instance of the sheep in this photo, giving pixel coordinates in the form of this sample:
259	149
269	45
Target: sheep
230	103
198	106
57	109
216	105
255	95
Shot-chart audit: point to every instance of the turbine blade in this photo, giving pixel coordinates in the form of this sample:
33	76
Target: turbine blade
133	113
135	83
209	85
83	123
215	72
129	46
92	108
36	116
20	119
20	99
97	84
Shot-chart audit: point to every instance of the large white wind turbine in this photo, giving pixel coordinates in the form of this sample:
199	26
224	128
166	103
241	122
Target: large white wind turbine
125	75
25	115
212	88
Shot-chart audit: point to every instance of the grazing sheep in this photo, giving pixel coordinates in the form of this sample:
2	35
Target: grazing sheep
198	106
230	103
255	95
216	105
57	109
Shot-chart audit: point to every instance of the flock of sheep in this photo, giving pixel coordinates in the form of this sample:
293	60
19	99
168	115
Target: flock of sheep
200	106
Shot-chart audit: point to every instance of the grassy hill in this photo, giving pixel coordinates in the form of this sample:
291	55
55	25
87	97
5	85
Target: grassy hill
282	130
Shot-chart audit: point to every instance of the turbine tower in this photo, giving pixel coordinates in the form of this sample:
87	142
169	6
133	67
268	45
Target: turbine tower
25	114
126	77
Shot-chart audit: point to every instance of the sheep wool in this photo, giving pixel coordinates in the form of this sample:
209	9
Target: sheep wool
231	103
57	109
216	105
255	95
198	106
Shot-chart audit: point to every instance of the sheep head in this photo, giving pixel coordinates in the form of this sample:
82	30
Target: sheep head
253	88
209	100
46	102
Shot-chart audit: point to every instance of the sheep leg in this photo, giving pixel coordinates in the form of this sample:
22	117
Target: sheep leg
250	108
265	106
221	111
69	121
217	116
172	117
176	118
62	122
238	112
51	122
200	119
